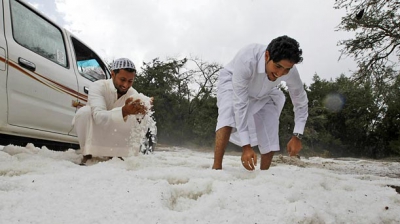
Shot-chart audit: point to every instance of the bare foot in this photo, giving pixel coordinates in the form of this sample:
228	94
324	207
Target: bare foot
85	159
215	167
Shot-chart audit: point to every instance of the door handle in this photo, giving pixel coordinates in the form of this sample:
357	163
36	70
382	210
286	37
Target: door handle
77	104
27	64
86	89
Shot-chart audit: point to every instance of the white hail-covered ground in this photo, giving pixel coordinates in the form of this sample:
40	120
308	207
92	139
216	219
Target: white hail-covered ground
177	185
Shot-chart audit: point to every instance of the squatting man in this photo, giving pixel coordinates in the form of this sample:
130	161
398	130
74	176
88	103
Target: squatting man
250	103
104	125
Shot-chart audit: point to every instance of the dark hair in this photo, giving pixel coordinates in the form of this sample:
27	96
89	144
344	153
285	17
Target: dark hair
284	47
126	69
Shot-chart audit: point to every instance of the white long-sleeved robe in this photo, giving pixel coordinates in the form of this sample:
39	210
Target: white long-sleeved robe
245	92
101	129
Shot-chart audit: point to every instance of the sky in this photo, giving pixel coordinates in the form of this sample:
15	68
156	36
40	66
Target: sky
177	185
211	30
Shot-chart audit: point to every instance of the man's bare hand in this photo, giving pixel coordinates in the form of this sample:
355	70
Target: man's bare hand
133	107
294	146
249	158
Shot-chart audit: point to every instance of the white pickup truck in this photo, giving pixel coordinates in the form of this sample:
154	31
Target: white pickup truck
45	72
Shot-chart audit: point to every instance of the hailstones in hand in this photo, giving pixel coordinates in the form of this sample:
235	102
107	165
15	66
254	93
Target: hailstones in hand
144	131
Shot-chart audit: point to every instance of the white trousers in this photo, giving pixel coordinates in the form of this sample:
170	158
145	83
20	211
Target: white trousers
263	119
113	140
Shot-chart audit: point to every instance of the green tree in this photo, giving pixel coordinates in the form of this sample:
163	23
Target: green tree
376	49
164	81
376	45
388	131
184	99
318	136
356	119
202	110
341	118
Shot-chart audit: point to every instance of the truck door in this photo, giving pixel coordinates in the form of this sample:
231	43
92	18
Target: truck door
41	84
89	67
3	71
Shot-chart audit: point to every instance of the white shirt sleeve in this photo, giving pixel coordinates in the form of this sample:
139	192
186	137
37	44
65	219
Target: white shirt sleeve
240	82
98	96
299	99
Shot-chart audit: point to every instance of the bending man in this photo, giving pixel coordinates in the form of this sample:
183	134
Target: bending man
250	102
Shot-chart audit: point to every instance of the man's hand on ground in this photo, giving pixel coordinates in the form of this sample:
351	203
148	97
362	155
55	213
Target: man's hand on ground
294	146
249	158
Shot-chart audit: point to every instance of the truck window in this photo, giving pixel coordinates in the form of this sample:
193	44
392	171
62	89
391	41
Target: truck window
37	34
88	63
90	69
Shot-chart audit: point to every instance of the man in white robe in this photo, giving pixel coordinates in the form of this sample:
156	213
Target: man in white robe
249	101
103	125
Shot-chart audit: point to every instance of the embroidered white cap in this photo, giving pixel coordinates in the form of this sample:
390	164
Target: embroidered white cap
121	63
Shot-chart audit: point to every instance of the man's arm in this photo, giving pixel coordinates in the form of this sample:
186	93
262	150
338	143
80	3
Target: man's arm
299	99
98	95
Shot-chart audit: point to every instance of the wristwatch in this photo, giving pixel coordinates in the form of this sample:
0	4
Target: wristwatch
298	135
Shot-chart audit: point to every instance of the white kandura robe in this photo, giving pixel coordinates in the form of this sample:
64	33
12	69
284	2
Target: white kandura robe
101	129
250	103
